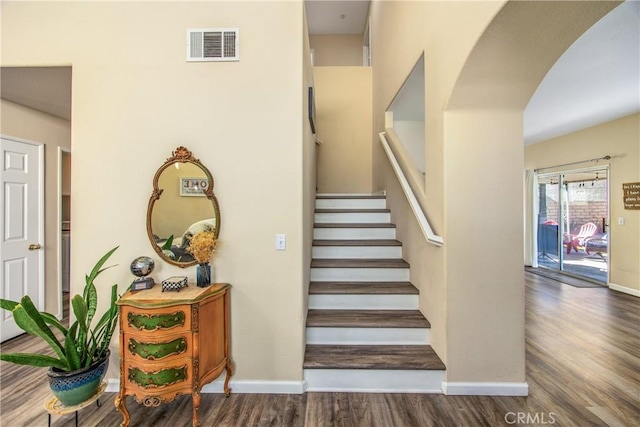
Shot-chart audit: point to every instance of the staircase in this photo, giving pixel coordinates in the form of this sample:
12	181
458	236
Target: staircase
364	330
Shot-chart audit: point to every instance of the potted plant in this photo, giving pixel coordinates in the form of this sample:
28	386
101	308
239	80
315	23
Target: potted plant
82	354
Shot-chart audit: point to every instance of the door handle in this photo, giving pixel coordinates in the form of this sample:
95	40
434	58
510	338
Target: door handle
34	246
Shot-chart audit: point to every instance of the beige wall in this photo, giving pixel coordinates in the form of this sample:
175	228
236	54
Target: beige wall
337	50
134	102
619	139
446	33
53	132
343	115
483	61
309	154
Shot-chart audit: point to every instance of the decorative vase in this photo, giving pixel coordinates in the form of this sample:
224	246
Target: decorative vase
74	387
203	275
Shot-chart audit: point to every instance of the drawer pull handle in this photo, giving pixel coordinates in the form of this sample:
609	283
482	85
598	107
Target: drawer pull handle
152	322
153	351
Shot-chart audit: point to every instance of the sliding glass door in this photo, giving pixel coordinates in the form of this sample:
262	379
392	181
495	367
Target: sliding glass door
573	220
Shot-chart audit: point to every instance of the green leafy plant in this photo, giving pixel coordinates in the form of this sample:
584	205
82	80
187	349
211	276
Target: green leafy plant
82	343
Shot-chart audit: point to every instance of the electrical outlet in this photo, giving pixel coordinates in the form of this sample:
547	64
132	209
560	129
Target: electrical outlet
281	242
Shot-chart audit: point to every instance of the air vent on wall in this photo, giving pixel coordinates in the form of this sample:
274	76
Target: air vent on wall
213	44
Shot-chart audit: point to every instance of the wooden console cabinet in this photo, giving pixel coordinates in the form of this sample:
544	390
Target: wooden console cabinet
172	343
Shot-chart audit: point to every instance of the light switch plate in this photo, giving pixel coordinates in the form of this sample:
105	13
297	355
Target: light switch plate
281	242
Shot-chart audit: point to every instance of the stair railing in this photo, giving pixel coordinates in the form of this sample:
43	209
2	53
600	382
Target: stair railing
423	222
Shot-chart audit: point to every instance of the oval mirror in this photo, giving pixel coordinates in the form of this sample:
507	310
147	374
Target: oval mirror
182	204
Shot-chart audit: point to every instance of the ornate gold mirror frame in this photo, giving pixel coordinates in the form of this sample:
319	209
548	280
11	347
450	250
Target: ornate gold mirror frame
180	156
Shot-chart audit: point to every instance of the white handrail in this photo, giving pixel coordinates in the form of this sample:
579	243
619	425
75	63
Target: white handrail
423	222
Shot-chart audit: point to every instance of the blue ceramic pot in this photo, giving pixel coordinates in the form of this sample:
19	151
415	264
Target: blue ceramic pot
74	387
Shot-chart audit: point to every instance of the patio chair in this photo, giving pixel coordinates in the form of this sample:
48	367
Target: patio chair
597	244
576	240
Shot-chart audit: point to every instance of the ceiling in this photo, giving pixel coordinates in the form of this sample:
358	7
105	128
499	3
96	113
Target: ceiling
46	89
596	80
336	17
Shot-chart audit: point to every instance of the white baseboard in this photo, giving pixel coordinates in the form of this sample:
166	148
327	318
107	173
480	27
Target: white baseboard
624	289
485	389
374	380
239	386
113	385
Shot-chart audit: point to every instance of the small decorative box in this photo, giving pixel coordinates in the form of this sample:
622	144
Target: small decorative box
174	283
142	283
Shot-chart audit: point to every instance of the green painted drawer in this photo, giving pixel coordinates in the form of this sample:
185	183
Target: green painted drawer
153	322
157	350
157	379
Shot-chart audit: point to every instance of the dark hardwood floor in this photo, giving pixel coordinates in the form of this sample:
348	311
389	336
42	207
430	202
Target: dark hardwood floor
583	369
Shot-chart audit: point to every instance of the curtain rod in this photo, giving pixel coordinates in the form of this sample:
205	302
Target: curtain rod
574	163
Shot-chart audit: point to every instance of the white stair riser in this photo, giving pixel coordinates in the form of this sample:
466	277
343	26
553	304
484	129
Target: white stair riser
368	336
359	274
374	380
364	302
351	203
354	233
356	252
353	217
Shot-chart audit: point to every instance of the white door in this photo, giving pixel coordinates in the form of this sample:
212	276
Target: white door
22	230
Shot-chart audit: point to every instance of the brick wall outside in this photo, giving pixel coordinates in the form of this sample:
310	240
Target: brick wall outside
580	213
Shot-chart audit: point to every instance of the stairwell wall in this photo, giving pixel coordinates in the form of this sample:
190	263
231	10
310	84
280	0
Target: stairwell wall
343	104
483	61
445	32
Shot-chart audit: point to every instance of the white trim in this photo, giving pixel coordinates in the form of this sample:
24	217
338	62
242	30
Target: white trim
238	386
113	385
485	389
624	289
41	231
345	194
61	151
374	380
411	198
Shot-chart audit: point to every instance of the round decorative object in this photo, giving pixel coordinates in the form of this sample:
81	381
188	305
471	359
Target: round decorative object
142	266
74	387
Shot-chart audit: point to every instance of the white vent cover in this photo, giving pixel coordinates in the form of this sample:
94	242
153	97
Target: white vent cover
213	44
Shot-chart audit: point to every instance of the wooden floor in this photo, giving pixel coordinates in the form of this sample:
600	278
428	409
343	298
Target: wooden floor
583	369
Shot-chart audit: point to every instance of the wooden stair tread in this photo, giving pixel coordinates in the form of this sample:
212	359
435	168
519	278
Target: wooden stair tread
353	210
412	357
362	288
353	225
359	263
361	242
348	196
367	319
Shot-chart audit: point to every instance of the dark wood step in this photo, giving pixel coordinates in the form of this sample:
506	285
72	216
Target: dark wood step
362	288
359	263
372	242
372	357
353	225
351	210
348	196
367	319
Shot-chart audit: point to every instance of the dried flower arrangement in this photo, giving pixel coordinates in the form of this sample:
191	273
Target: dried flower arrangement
203	246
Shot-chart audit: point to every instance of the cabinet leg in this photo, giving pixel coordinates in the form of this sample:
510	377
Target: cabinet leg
122	407
196	406
229	369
